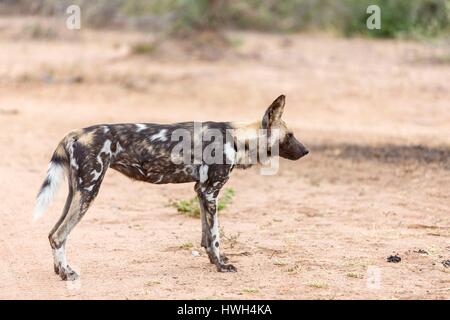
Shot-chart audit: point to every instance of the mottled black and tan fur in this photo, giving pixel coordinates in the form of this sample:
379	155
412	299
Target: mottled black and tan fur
144	152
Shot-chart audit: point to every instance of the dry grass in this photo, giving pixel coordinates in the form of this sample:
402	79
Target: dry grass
318	284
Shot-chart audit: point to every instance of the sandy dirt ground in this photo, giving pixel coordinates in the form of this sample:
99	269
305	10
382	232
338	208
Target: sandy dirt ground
375	114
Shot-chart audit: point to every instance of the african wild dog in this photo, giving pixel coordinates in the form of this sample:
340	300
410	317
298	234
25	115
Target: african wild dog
145	152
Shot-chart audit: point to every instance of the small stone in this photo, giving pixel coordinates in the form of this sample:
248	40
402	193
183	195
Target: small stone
195	253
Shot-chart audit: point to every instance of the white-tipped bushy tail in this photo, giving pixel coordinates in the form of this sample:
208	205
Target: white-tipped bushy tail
55	175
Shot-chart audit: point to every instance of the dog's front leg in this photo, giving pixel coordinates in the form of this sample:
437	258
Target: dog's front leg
203	213
204	242
210	229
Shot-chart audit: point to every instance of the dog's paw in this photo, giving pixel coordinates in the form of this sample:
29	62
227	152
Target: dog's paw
67	274
226	268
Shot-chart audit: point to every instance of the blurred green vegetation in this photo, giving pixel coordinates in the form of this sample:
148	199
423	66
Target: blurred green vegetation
399	18
191	207
404	18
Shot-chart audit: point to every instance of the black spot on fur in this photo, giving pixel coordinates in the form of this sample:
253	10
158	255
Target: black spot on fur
45	184
58	159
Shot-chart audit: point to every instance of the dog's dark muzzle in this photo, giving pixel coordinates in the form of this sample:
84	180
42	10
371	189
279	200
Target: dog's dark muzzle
292	149
304	153
297	155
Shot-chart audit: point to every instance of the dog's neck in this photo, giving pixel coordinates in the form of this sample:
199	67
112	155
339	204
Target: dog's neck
248	137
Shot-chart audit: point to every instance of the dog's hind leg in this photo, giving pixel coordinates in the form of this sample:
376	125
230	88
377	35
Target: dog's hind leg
79	204
58	236
59	254
80	197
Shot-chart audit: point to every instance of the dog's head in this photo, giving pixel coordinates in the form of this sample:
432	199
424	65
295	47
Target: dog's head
289	147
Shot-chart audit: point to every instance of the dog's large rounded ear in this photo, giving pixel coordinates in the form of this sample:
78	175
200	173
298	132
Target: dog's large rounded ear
274	112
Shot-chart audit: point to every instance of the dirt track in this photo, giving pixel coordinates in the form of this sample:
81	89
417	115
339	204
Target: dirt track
376	115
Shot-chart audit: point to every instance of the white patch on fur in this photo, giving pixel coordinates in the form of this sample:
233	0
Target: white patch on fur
119	149
230	153
203	172
105	129
73	161
140	127
59	256
210	196
96	174
159	136
55	174
89	188
105	149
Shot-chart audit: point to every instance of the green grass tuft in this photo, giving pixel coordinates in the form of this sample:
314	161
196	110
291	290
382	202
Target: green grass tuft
190	207
186	246
319	284
143	48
